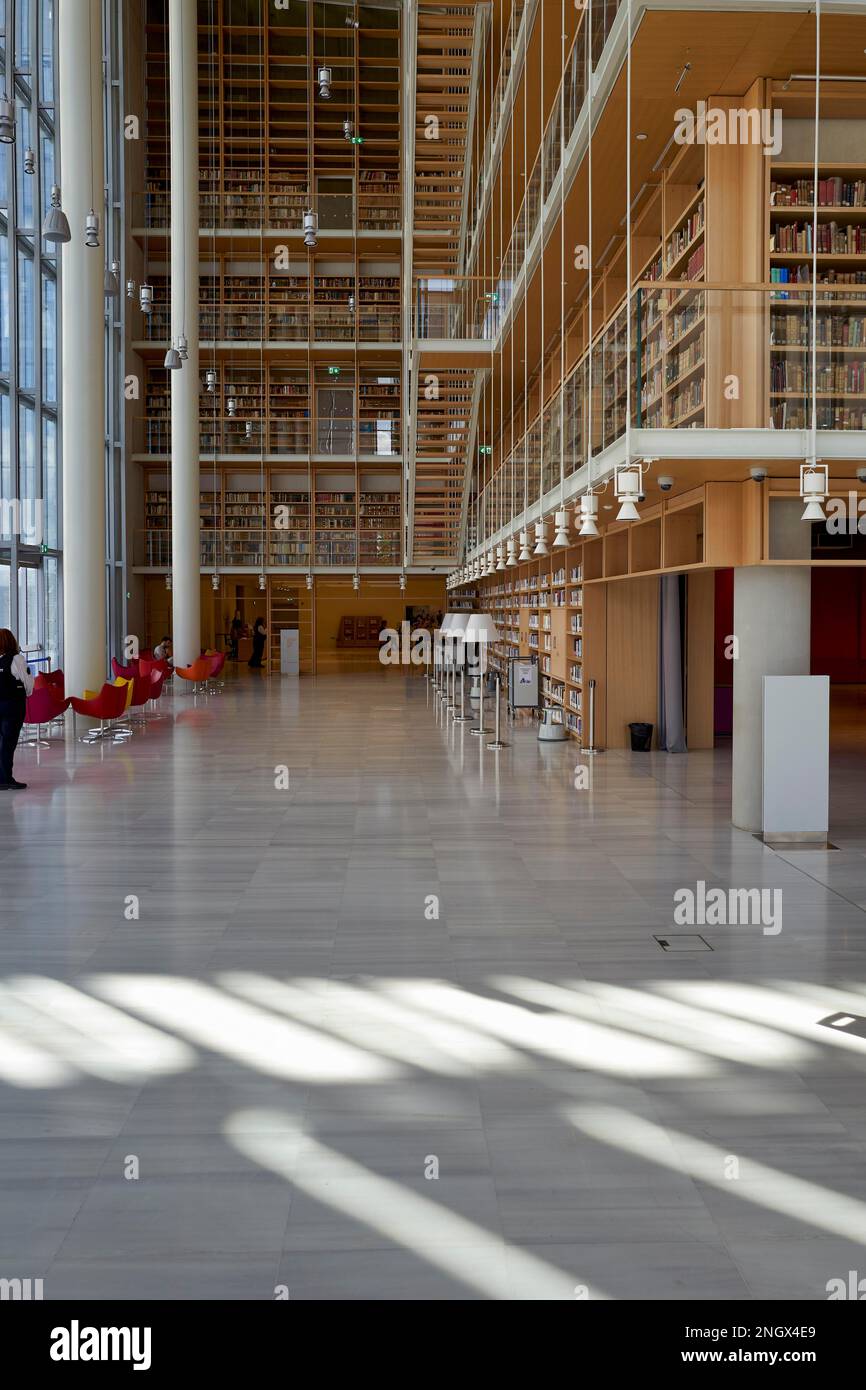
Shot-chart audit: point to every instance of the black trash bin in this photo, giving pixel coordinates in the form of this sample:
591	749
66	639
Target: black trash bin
641	737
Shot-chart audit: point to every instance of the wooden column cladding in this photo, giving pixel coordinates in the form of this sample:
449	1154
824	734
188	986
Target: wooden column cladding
737	321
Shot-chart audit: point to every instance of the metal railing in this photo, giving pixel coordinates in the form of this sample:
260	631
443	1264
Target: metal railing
246	436
457	307
290	547
254	322
676	383
375	208
547	161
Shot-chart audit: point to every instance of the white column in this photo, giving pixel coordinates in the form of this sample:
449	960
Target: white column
183	121
83	346
773	627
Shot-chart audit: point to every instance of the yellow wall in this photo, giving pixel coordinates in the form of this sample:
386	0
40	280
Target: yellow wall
333	599
378	597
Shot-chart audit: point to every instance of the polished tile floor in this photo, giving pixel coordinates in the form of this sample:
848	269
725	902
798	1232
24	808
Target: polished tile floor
401	1028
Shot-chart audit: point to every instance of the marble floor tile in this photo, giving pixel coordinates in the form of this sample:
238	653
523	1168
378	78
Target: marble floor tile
403	1031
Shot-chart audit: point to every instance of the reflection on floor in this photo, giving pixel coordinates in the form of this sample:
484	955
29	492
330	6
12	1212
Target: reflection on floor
402	1029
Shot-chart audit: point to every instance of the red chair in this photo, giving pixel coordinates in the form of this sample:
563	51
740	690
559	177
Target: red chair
198	673
108	707
44	706
127	673
142	687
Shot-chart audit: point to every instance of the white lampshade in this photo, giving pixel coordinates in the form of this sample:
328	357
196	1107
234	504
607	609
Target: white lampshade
561	524
541	547
587	513
480	628
524	547
627	486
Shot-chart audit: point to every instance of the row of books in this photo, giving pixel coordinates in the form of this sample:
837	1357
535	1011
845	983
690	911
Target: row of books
838	379
684	236
832	239
802	275
832	193
787	416
831	329
695	264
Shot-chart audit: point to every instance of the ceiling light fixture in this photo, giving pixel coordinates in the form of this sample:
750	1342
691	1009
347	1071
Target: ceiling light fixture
55	228
814	486
627	490
588	514
560	521
7	121
91	230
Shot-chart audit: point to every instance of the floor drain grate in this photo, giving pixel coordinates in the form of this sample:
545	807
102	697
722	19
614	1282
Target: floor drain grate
683	942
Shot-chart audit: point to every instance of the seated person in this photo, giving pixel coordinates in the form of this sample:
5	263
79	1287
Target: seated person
163	651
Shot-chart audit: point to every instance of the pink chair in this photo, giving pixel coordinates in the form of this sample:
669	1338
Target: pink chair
217	662
44	706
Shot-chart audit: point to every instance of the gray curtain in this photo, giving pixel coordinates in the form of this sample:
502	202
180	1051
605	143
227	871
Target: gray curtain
672	738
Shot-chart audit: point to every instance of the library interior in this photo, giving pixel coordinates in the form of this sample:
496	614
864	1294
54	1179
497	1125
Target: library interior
433	648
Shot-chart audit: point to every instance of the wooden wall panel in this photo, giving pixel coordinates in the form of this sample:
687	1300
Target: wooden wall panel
736	322
700	686
632	656
595	657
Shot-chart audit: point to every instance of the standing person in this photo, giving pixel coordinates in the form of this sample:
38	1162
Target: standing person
260	632
16	683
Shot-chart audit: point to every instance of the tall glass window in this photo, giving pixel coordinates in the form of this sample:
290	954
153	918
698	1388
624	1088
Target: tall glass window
30	562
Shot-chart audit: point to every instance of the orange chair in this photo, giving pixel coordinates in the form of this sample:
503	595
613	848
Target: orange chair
198	673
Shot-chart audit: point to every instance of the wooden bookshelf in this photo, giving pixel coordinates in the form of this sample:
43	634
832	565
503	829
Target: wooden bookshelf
379	411
840	385
379	526
244	513
335	528
289	544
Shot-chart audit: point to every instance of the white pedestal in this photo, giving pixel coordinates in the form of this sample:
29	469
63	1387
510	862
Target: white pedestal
290	662
796	766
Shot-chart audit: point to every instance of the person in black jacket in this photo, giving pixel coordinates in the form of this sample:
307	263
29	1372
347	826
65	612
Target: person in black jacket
260	632
16	683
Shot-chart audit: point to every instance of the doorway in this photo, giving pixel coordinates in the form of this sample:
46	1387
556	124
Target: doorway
335	420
